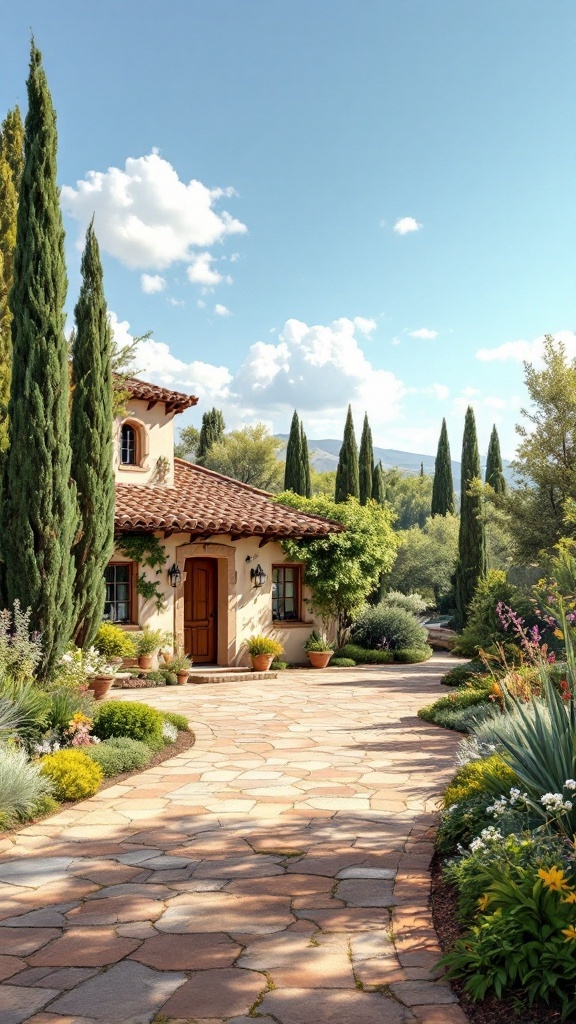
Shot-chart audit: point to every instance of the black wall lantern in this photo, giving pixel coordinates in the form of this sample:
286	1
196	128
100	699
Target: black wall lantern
174	575
258	576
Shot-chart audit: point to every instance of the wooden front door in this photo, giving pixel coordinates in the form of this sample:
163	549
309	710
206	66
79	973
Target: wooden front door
200	609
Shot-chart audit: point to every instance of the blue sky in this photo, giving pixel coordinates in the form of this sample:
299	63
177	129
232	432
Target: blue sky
384	202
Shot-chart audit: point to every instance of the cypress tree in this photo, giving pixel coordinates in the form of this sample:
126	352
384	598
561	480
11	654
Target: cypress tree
347	473
443	486
212	430
494	474
38	518
91	439
293	472
378	490
306	465
471	564
366	462
11	162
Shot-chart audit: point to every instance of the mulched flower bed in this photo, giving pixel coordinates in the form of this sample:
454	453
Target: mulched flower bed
444	904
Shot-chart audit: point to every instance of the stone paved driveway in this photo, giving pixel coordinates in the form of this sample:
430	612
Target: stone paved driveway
278	870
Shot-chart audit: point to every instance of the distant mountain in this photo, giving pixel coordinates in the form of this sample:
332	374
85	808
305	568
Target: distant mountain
324	457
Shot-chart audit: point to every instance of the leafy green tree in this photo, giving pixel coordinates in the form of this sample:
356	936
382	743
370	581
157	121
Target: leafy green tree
378	490
366	462
471	565
39	519
443	486
91	440
426	558
347	473
211	431
248	455
322	483
342	569
187	444
494	475
307	474
294	472
11	164
410	497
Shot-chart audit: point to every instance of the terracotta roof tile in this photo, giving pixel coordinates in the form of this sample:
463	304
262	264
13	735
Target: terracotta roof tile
206	503
154	393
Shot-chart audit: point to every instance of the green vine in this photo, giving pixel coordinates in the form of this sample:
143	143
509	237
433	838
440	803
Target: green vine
146	550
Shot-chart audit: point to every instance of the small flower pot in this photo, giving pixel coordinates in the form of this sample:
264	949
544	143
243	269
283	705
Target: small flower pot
262	662
100	686
145	661
182	677
319	659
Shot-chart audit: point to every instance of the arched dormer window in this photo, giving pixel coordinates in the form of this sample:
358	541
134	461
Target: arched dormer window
128	445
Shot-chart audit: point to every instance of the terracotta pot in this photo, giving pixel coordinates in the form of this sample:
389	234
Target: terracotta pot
262	662
145	660
183	676
319	659
100	686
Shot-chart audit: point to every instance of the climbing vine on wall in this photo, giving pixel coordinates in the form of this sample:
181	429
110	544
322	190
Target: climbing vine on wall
149	553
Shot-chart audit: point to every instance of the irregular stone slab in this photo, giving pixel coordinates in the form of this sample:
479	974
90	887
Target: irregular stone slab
18	1004
48	918
84	947
34	871
116	909
224	912
188	952
159	892
128	993
166	863
137	857
22	941
10	965
332	1006
366	892
65	978
360	872
216	994
423	993
367	945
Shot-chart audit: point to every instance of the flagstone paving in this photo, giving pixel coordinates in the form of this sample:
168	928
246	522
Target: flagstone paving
277	870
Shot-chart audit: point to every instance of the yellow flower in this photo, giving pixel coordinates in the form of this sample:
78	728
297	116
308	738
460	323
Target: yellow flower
483	901
570	898
570	933
553	879
559	634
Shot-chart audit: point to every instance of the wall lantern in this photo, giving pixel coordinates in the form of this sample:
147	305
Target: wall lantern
174	575
258	575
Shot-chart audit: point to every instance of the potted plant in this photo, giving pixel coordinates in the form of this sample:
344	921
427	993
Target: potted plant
181	665
167	652
318	649
100	673
147	643
114	644
263	650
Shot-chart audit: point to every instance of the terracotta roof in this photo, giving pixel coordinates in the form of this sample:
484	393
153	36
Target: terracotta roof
175	401
205	503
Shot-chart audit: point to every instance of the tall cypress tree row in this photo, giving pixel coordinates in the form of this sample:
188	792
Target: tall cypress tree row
91	439
38	518
494	473
347	473
471	564
293	474
366	462
212	430
306	464
11	164
443	486
378	490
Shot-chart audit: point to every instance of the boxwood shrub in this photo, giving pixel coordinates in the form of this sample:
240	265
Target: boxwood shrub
138	721
120	754
72	773
413	655
393	628
363	656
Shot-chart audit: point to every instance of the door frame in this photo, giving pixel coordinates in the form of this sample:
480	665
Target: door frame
225	556
208	625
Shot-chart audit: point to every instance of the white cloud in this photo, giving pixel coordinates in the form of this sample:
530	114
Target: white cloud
201	272
201	304
425	333
405	225
364	325
152	283
529	351
176	302
440	391
470	392
145	215
221	310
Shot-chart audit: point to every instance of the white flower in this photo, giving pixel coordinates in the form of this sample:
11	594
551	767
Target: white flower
169	732
498	807
554	802
570	784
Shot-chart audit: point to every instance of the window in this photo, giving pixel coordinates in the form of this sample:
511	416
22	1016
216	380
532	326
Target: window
286	593
119	577
128	445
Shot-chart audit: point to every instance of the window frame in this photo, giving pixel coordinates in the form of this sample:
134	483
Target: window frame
297	568
128	424
132	619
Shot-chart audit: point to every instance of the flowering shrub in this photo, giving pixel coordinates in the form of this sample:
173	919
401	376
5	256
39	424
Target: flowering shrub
72	773
20	649
78	731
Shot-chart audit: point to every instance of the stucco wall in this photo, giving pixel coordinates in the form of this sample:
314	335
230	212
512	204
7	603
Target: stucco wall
156	434
243	610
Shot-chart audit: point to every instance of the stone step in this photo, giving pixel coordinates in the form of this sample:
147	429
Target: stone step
229	676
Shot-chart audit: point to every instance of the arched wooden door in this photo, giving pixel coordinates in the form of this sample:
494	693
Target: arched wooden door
201	609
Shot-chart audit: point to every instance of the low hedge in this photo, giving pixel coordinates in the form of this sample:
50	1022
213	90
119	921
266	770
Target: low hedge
413	655
342	663
120	754
137	721
363	656
72	773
